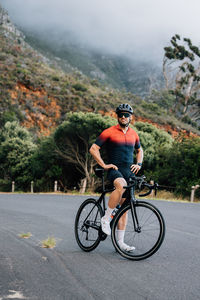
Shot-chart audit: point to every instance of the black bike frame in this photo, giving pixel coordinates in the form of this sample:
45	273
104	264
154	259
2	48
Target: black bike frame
130	198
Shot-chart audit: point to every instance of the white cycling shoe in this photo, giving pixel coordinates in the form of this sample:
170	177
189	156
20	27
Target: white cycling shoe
126	247
105	225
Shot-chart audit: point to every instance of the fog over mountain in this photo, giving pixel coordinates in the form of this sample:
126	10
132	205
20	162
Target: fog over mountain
128	27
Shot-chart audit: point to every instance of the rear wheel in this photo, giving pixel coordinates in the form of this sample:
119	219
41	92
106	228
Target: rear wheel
88	225
146	236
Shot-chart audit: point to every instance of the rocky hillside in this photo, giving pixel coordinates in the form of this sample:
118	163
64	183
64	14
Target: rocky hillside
36	91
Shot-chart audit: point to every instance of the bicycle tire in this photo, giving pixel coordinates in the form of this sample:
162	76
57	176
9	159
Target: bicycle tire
89	214
151	235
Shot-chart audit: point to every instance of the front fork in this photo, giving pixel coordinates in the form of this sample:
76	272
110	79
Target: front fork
133	202
136	225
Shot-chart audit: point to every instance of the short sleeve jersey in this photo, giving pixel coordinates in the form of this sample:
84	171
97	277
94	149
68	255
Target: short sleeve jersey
120	146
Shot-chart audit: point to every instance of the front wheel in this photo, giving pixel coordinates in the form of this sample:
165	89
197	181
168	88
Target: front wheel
144	229
88	225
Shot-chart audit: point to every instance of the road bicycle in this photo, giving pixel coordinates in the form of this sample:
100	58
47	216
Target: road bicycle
145	226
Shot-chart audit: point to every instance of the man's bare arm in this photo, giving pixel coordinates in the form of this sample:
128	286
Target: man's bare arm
139	158
94	151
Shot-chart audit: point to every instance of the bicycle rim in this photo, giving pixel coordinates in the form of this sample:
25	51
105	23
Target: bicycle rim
87	225
148	235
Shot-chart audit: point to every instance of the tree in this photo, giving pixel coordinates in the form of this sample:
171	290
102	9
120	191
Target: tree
46	167
73	139
179	167
152	139
181	69
16	150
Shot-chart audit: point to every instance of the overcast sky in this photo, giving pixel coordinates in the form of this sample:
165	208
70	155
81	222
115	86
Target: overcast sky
119	26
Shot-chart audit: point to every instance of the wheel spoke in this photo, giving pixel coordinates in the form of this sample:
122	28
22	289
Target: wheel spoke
87	225
148	238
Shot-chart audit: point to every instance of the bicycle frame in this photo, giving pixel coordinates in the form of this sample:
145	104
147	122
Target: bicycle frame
130	198
104	192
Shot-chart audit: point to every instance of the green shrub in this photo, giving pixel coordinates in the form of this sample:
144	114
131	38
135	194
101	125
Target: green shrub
55	78
179	167
79	87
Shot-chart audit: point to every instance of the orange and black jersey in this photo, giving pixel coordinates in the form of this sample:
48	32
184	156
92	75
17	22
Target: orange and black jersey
119	145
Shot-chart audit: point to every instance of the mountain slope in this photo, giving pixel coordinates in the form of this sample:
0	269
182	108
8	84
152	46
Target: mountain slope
35	90
118	71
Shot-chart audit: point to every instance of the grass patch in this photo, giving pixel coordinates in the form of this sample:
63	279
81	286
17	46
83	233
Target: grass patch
50	242
166	195
25	235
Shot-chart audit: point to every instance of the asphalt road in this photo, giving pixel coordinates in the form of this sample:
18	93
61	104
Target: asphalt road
28	271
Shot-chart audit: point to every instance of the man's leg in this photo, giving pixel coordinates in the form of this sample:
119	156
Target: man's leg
116	195
115	198
121	227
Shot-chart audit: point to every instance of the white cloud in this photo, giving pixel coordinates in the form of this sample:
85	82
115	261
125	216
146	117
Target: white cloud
139	26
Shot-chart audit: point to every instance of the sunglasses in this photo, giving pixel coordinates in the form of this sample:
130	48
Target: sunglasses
125	114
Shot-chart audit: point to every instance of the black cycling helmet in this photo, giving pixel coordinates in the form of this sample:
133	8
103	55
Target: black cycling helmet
124	107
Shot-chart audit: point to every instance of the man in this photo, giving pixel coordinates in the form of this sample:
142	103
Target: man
120	141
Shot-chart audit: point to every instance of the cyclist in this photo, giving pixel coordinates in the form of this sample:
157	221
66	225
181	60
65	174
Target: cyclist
120	141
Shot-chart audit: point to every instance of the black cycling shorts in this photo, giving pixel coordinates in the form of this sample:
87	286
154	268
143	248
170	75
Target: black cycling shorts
122	172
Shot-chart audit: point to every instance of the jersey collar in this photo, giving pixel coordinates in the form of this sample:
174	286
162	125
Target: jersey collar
119	128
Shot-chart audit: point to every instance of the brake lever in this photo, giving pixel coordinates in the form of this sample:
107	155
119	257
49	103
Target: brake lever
150	187
141	182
